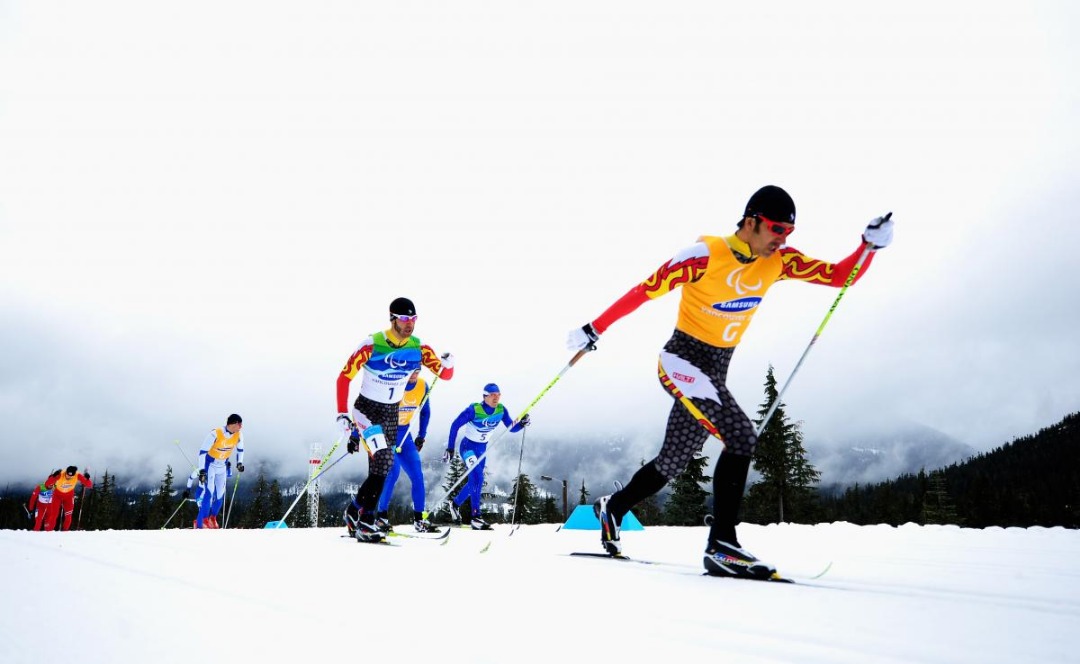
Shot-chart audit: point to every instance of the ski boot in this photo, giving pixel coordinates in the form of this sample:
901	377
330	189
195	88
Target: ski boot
610	528
368	532
383	523
723	559
478	523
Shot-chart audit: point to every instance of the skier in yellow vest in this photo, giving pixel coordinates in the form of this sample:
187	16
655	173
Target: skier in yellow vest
64	492
723	281
220	444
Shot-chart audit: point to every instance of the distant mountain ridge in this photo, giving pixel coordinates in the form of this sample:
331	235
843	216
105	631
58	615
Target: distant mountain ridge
878	456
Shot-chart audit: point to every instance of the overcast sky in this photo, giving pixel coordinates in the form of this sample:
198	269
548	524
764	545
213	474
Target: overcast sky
206	206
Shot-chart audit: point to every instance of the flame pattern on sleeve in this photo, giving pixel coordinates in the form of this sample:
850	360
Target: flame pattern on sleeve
434	363
673	274
357	360
801	267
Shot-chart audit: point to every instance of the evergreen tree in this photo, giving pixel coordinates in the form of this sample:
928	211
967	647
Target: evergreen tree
141	518
301	516
786	490
277	504
162	507
550	512
938	506
103	515
583	495
453	474
524	492
686	506
258	511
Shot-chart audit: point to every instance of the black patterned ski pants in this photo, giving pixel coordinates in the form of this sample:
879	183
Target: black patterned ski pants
685	437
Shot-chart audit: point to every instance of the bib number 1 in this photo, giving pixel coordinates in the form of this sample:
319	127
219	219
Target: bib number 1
374	439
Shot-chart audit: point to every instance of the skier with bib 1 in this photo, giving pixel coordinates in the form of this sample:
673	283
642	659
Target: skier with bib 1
723	281
387	359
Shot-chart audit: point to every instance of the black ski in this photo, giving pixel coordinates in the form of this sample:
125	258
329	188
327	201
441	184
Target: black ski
382	541
775	578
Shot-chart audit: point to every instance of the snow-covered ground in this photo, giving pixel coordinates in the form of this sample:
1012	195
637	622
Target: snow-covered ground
908	594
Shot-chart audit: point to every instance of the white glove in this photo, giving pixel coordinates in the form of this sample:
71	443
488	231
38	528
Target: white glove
345	422
584	337
447	455
879	232
447	360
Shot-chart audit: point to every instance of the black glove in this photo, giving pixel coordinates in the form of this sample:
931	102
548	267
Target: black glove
202	476
87	476
524	421
239	467
187	494
354	441
419	443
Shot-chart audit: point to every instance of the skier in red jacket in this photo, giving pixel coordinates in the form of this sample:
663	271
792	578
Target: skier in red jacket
64	493
41	500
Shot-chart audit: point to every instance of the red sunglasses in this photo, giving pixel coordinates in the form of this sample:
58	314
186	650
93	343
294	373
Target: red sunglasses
404	318
774	227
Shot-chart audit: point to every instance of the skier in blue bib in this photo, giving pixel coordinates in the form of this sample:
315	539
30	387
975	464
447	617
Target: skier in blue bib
479	420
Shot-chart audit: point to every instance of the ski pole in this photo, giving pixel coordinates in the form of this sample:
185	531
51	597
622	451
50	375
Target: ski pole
177	443
517	485
867	248
314	477
82	499
232	500
177	510
416	418
577	356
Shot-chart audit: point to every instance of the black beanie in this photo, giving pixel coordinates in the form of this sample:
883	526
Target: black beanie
773	203
234	419
71	470
402	306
